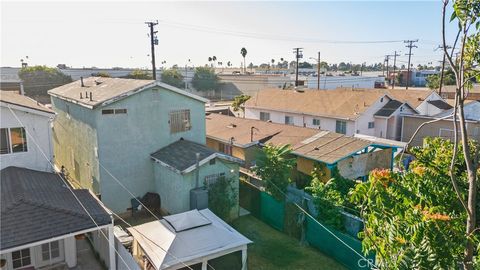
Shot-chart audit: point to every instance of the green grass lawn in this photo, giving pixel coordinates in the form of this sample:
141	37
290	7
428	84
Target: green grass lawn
272	249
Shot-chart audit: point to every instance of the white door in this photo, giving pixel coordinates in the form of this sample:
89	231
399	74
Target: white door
50	253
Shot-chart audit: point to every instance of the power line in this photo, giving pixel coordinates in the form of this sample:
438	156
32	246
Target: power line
409	46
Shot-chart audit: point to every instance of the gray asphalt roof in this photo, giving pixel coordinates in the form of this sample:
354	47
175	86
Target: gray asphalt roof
182	154
37	205
389	108
471	111
440	104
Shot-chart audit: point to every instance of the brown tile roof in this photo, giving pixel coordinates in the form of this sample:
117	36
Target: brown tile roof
324	146
22	101
337	103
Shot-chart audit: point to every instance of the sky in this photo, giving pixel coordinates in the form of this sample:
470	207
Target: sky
114	34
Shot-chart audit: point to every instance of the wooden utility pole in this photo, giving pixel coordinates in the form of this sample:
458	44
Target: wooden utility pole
298	55
153	42
409	46
443	68
394	68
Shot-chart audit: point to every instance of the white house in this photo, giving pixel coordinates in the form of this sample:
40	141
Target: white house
20	115
370	112
43	222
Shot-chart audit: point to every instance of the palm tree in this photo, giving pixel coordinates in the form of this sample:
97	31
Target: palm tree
273	63
243	52
229	64
210	60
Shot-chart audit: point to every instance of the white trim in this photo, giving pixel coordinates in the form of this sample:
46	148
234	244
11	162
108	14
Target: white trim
206	258
301	113
234	144
27	110
72	234
200	163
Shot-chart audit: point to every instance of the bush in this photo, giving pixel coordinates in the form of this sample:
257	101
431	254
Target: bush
173	77
222	197
205	79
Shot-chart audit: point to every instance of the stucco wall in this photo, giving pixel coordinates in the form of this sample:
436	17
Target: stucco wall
301	119
306	166
37	126
248	155
361	165
75	143
443	128
174	188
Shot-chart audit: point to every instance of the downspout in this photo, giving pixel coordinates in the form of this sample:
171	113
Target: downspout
197	169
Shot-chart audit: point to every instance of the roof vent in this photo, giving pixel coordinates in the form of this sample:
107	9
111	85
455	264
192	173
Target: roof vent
98	82
232	125
299	90
81	81
316	148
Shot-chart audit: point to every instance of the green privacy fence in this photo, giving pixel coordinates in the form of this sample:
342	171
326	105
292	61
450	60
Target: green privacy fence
273	212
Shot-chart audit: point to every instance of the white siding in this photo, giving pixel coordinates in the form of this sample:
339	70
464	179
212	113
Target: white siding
37	126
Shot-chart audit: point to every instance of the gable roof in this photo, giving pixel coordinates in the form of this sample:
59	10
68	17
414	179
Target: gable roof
340	103
471	111
180	156
13	98
108	90
37	205
389	108
324	146
212	239
442	105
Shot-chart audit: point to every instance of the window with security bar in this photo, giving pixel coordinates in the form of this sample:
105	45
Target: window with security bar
213	178
180	121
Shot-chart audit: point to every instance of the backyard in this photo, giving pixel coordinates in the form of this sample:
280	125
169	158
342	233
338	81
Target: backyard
272	249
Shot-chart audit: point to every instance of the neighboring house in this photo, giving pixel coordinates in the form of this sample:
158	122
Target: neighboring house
20	116
107	128
346	111
41	220
448	92
243	138
195	238
442	128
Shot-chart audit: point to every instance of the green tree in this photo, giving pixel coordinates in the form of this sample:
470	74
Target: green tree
331	197
139	74
433	81
222	197
274	166
102	74
205	79
243	52
37	80
413	219
238	101
173	77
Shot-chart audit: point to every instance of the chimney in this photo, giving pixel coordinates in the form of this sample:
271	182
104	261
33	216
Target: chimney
91	99
81	80
197	166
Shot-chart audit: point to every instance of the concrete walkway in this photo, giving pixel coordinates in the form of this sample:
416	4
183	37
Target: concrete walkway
86	257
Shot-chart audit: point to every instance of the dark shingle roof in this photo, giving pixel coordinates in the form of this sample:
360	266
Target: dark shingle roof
389	108
440	104
181	154
37	205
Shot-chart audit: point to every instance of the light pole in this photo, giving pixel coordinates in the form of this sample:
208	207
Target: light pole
186	74
318	70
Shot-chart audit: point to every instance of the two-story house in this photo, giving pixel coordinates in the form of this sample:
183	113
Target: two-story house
120	136
371	112
18	115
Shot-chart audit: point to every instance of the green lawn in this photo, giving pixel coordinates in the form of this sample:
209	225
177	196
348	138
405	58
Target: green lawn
272	249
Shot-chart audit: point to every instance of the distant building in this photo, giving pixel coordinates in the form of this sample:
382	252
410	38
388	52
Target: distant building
371	112
20	115
418	78
143	133
333	82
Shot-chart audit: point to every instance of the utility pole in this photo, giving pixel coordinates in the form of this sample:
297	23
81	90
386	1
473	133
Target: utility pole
387	57
409	46
153	42
394	68
443	68
298	55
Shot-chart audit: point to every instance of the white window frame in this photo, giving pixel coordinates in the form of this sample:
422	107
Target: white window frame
342	123
289	120
21	258
316	120
267	114
371	124
179	121
10	145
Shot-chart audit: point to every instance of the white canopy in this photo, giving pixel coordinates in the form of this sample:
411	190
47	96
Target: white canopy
187	238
